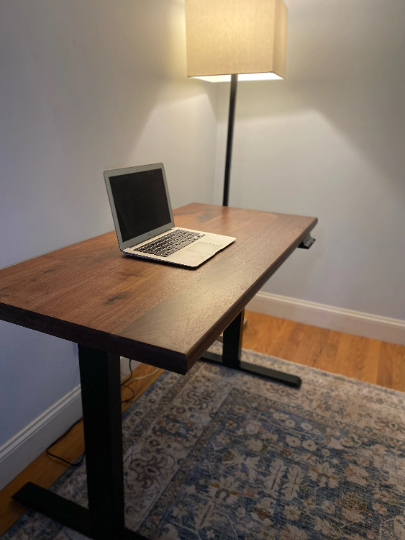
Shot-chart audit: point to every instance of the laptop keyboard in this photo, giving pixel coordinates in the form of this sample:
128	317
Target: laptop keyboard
170	243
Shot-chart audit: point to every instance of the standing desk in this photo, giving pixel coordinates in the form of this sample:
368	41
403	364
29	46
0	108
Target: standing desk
162	315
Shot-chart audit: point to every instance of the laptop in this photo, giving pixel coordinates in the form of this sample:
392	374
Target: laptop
143	219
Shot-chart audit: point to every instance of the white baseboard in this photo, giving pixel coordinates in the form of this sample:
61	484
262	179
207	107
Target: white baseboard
18	452
332	318
30	442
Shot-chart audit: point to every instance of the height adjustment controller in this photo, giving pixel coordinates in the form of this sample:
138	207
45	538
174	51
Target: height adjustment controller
307	242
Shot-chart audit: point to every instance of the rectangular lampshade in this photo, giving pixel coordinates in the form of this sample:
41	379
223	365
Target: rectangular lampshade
226	37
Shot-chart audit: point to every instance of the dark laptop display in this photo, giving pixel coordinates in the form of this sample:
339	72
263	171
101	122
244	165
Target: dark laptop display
140	201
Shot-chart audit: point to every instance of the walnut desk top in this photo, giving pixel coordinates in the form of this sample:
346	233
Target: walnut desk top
167	316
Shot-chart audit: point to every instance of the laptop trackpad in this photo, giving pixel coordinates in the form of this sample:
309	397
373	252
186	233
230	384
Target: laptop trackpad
203	248
194	255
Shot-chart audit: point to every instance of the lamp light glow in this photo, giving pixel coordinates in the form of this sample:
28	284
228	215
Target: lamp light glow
235	40
228	37
241	77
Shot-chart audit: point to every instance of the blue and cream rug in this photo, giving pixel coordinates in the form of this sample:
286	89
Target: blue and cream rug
223	455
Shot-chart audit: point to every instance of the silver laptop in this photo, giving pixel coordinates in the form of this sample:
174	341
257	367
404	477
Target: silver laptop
143	219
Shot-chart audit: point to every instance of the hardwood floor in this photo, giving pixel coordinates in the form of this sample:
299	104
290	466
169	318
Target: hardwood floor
360	358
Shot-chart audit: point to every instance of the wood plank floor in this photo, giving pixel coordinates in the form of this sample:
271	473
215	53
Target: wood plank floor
360	358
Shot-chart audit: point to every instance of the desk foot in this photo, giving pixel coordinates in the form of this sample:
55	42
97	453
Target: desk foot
231	356
66	512
101	400
248	367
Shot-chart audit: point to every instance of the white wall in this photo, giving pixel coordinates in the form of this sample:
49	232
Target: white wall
85	85
329	141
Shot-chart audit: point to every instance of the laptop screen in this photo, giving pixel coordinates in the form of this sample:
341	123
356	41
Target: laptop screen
140	202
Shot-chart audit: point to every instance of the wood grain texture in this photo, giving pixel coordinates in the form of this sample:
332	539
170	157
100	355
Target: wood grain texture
159	314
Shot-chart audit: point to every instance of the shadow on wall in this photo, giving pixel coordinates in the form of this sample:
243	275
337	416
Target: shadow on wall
345	62
329	141
81	83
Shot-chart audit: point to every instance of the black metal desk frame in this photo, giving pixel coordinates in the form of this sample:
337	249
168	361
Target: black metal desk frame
101	398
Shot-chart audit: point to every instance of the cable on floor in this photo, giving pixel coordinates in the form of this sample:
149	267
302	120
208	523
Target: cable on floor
124	384
49	454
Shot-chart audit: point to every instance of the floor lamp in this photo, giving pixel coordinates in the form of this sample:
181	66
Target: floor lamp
235	40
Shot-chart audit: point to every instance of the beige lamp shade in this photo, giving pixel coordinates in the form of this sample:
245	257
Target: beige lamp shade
245	37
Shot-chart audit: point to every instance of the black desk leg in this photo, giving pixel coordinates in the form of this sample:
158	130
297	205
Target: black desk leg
231	356
101	398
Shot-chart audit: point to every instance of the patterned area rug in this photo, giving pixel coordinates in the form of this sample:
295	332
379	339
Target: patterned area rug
219	454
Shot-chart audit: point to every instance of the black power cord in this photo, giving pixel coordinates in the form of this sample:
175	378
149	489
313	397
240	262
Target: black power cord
123	385
49	454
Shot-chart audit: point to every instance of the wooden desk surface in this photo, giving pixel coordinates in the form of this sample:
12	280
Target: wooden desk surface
158	314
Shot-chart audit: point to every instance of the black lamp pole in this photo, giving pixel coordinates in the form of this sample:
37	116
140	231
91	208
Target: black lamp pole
231	121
